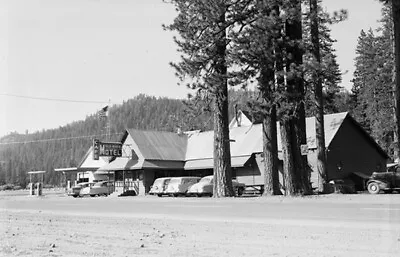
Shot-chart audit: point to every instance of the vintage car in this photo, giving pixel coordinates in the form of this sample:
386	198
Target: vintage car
205	187
159	186
102	188
76	190
385	181
179	185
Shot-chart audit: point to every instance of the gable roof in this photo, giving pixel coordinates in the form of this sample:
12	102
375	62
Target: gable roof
88	163
368	136
160	145
332	123
248	139
244	141
195	149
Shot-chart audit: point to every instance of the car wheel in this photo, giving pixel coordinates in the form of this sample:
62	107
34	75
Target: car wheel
240	191
373	188
92	195
159	195
74	196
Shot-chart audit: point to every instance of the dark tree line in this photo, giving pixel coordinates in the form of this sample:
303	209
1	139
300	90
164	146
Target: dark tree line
375	85
65	146
281	48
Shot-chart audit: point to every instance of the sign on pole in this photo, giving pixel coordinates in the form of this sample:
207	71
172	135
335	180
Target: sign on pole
111	149
96	149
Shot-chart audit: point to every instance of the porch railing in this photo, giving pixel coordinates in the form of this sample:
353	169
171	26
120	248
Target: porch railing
127	185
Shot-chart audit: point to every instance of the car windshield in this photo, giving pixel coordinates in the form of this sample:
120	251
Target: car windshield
100	184
175	181
206	180
160	182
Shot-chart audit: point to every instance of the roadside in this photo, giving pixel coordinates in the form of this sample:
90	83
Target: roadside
329	225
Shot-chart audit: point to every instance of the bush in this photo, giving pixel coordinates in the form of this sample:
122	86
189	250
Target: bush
17	187
7	187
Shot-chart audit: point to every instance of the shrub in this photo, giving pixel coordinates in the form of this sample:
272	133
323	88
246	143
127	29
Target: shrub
17	187
6	187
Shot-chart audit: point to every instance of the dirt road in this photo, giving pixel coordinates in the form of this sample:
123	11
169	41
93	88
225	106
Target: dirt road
335	225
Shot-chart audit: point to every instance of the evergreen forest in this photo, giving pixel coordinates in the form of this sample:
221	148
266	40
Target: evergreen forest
370	100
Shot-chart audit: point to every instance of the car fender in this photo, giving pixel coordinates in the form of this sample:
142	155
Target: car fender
381	184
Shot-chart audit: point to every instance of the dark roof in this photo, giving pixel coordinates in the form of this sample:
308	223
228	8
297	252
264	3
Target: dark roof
160	145
368	136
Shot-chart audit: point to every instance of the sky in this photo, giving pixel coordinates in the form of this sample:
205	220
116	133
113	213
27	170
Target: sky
91	52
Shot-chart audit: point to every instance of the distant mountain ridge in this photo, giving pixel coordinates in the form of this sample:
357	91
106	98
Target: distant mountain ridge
66	145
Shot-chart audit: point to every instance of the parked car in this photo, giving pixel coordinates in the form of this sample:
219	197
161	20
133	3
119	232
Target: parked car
76	190
205	187
179	185
102	188
385	181
159	186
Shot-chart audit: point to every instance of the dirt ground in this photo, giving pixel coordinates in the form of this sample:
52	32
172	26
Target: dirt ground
339	225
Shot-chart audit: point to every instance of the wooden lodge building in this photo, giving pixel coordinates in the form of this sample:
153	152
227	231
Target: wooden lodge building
147	155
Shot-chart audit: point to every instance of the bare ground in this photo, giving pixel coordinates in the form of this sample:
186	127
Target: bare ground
56	225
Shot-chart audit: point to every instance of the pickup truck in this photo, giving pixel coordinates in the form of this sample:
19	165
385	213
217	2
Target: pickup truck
387	182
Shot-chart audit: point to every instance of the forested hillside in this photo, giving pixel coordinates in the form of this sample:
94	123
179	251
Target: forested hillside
370	103
65	146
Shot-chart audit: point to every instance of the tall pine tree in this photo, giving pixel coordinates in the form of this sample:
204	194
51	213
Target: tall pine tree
256	44
202	27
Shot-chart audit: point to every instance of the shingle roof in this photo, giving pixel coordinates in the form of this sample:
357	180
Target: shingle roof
158	145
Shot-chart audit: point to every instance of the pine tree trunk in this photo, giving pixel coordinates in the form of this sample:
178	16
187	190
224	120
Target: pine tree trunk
270	151
222	154
319	117
301	161
396	89
288	158
295	89
222	157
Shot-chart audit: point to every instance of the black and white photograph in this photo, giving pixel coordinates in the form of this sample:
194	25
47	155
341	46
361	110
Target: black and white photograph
200	128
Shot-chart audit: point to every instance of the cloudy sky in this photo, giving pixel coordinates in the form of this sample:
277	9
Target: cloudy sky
94	51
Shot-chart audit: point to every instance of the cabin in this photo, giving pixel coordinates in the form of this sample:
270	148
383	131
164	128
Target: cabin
350	151
148	155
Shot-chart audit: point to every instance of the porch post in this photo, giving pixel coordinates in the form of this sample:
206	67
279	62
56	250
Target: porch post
108	181
114	180
123	178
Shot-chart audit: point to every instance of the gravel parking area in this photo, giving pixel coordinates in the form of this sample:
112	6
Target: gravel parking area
332	225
